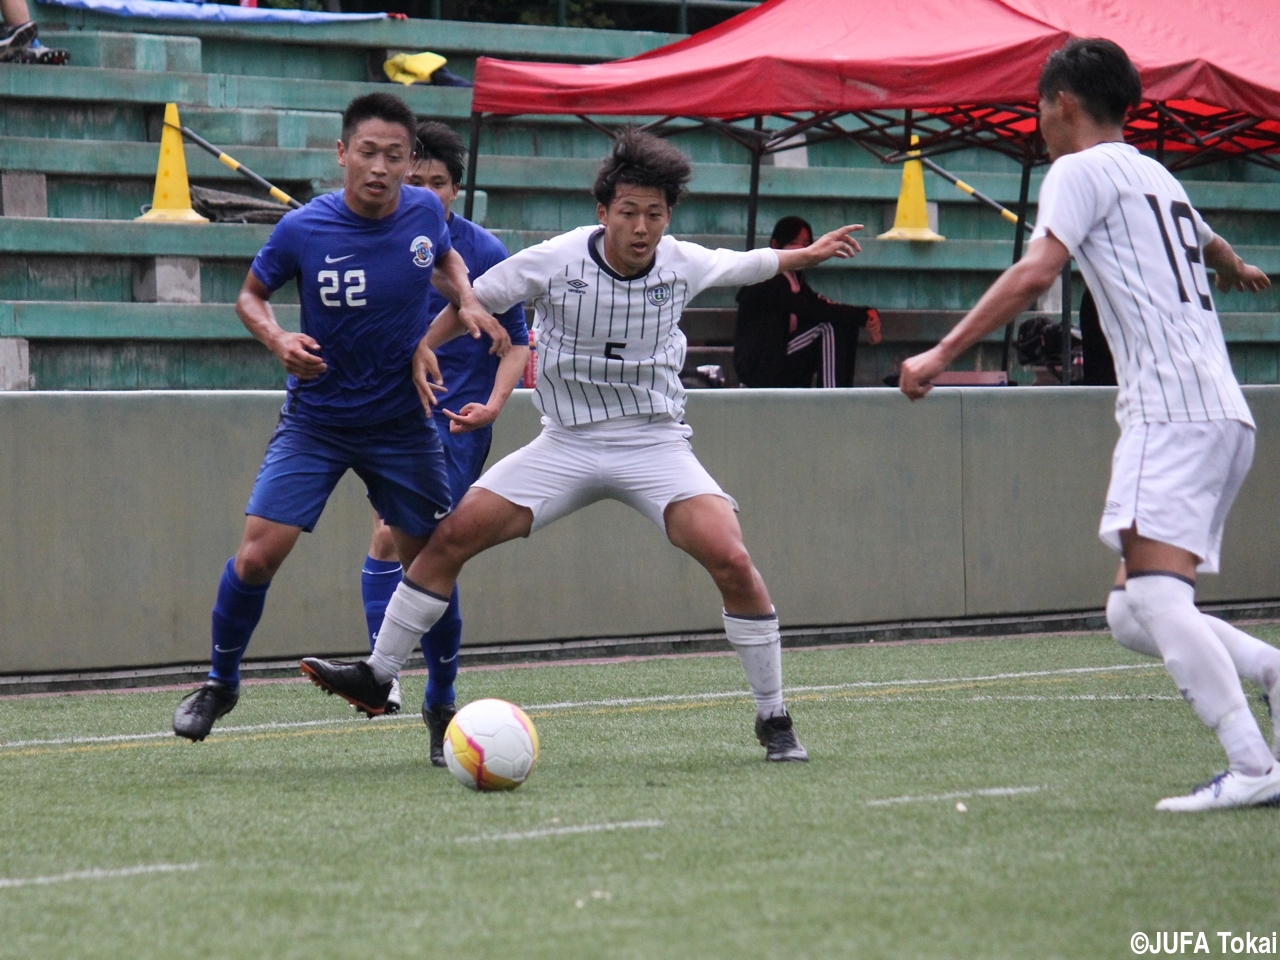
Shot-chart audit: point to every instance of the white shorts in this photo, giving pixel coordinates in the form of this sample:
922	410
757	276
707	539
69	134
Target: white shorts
644	462
1177	482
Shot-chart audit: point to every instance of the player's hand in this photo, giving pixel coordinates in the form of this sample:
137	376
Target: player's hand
915	378
471	417
300	355
837	243
1245	277
873	326
478	320
426	375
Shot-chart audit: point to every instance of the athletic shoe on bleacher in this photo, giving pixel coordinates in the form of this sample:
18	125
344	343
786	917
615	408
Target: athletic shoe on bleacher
353	682
198	710
39	53
17	38
437	720
778	737
1227	790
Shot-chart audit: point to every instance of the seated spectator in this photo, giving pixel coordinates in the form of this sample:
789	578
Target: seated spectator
789	335
18	43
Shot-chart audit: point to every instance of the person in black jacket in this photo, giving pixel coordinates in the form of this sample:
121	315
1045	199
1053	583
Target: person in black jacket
788	333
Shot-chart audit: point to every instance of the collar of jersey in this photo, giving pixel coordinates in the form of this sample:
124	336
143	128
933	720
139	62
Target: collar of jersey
596	240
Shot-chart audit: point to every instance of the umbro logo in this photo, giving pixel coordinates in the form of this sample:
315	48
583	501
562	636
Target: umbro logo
577	286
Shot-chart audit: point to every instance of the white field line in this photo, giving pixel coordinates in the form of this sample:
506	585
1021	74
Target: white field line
564	831
827	688
959	795
580	704
98	874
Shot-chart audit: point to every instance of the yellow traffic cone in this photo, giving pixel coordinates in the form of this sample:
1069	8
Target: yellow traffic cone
911	222
172	200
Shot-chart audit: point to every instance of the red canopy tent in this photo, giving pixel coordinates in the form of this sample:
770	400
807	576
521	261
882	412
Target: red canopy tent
956	73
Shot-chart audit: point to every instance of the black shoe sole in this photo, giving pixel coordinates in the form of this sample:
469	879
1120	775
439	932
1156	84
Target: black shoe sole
319	681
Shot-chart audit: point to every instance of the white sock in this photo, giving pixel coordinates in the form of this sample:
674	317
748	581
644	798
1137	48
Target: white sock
759	647
1201	667
410	613
1253	659
1127	630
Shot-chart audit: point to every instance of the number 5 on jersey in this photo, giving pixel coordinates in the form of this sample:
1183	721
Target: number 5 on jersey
329	286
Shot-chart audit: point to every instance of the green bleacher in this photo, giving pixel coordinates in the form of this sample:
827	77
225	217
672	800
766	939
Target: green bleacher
271	96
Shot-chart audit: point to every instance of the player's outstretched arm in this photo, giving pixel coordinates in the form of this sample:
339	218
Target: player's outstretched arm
1232	272
298	352
451	278
1003	301
837	243
476	415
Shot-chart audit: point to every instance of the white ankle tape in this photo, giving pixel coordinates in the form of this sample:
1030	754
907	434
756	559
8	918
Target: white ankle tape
414	609
750	631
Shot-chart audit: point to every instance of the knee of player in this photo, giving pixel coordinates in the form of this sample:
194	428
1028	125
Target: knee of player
734	562
256	565
382	545
1120	618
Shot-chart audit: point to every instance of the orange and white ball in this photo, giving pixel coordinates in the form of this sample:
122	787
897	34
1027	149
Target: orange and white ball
491	745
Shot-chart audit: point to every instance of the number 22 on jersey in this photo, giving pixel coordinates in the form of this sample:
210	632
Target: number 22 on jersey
330	288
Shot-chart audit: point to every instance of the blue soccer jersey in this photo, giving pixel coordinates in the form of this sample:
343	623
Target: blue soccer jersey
466	366
365	287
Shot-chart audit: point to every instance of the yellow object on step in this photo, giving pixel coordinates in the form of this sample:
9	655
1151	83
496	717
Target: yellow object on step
172	199
409	68
911	222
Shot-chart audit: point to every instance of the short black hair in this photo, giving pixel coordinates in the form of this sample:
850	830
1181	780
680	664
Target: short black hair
436	141
643	160
1097	71
788	228
378	106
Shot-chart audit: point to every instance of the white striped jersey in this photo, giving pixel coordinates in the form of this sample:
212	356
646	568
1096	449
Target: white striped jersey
611	346
1140	246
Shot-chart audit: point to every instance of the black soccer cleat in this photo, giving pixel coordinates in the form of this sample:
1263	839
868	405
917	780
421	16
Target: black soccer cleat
353	682
198	710
437	720
779	739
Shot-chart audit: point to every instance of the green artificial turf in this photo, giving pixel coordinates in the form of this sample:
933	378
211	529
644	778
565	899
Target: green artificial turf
339	840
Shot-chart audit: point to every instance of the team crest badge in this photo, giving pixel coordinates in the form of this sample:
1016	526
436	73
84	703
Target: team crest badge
659	295
422	253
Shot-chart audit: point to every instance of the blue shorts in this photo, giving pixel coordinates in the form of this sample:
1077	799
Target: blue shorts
401	463
464	455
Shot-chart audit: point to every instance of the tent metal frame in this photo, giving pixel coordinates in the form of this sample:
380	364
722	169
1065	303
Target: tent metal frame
1181	138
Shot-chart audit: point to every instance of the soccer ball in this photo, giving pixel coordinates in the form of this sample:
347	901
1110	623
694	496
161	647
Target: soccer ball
491	745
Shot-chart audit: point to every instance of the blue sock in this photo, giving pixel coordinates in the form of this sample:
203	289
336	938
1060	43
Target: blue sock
440	650
235	614
378	581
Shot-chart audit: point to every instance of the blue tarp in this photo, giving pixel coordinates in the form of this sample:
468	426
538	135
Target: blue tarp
212	12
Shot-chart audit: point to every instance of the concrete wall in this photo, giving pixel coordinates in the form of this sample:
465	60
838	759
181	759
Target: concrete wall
118	510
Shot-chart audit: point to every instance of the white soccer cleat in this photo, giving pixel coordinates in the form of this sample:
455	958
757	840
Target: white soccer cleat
393	698
1229	789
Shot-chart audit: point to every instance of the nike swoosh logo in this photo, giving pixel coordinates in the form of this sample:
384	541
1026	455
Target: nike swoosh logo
329	259
447	659
441	514
226	649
